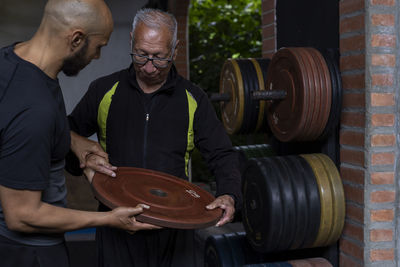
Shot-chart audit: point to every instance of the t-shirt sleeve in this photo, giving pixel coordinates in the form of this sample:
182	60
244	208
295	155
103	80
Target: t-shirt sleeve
25	149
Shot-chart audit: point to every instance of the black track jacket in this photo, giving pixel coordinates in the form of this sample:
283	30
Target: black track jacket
157	131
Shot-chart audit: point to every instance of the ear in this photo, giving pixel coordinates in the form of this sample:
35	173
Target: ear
130	39
176	50
77	38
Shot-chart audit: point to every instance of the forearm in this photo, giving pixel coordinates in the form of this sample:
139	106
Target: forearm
52	219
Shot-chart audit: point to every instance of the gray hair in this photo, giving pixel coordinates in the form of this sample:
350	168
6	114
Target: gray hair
155	18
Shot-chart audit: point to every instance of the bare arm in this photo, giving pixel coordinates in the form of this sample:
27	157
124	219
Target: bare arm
25	212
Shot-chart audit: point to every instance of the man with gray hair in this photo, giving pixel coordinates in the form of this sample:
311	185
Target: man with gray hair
148	116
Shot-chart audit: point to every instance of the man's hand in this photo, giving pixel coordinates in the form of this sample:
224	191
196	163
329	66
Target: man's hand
124	218
226	203
91	155
97	163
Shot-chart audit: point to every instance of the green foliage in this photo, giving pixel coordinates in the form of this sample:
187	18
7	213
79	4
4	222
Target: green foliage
218	30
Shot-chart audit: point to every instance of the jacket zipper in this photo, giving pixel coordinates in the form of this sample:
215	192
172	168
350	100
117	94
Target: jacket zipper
146	123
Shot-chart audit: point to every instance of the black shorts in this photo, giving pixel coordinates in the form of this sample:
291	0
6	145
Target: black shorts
14	254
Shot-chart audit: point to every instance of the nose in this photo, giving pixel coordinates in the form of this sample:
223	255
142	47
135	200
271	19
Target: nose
149	67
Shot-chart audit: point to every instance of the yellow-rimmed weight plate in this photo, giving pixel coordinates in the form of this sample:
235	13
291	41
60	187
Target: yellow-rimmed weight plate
231	82
338	198
326	199
261	87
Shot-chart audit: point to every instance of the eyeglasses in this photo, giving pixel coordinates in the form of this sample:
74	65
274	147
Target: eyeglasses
157	62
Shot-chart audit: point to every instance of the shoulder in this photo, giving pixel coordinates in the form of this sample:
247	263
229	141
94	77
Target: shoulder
106	82
195	91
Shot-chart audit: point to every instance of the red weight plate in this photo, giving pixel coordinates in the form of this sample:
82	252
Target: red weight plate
287	117
174	202
311	93
318	96
325	89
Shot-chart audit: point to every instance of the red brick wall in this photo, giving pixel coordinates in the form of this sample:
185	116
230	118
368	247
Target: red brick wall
268	28
352	134
381	132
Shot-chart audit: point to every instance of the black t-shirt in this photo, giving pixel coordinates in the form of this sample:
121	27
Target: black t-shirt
34	136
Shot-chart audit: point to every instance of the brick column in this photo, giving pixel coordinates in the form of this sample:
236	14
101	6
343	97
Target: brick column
352	133
368	62
381	146
180	10
268	28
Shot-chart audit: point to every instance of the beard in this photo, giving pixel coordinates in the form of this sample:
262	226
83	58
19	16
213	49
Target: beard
75	63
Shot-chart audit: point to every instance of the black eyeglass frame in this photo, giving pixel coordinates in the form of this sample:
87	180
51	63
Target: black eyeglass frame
168	60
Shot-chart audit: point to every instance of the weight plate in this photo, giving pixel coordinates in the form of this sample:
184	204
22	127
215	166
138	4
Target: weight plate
319	262
338	198
325	88
326	199
287	118
217	252
251	84
312	94
262	206
336	85
261	86
173	202
289	206
231	82
300	203
313	200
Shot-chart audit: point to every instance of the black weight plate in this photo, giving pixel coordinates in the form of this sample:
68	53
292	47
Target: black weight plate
234	243
289	208
334	115
250	84
313	199
217	252
314	202
262	206
240	250
301	205
247	99
264	63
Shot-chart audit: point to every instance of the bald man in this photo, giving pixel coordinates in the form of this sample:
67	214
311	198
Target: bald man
34	135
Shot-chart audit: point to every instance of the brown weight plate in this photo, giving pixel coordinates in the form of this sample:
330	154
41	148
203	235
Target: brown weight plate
325	88
315	90
312	82
174	202
287	118
231	82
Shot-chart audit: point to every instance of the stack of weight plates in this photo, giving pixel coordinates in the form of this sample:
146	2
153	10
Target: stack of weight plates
311	262
233	250
239	78
332	199
229	250
303	73
292	202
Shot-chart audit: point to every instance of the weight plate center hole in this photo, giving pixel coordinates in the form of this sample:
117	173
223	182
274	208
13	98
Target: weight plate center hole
158	192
